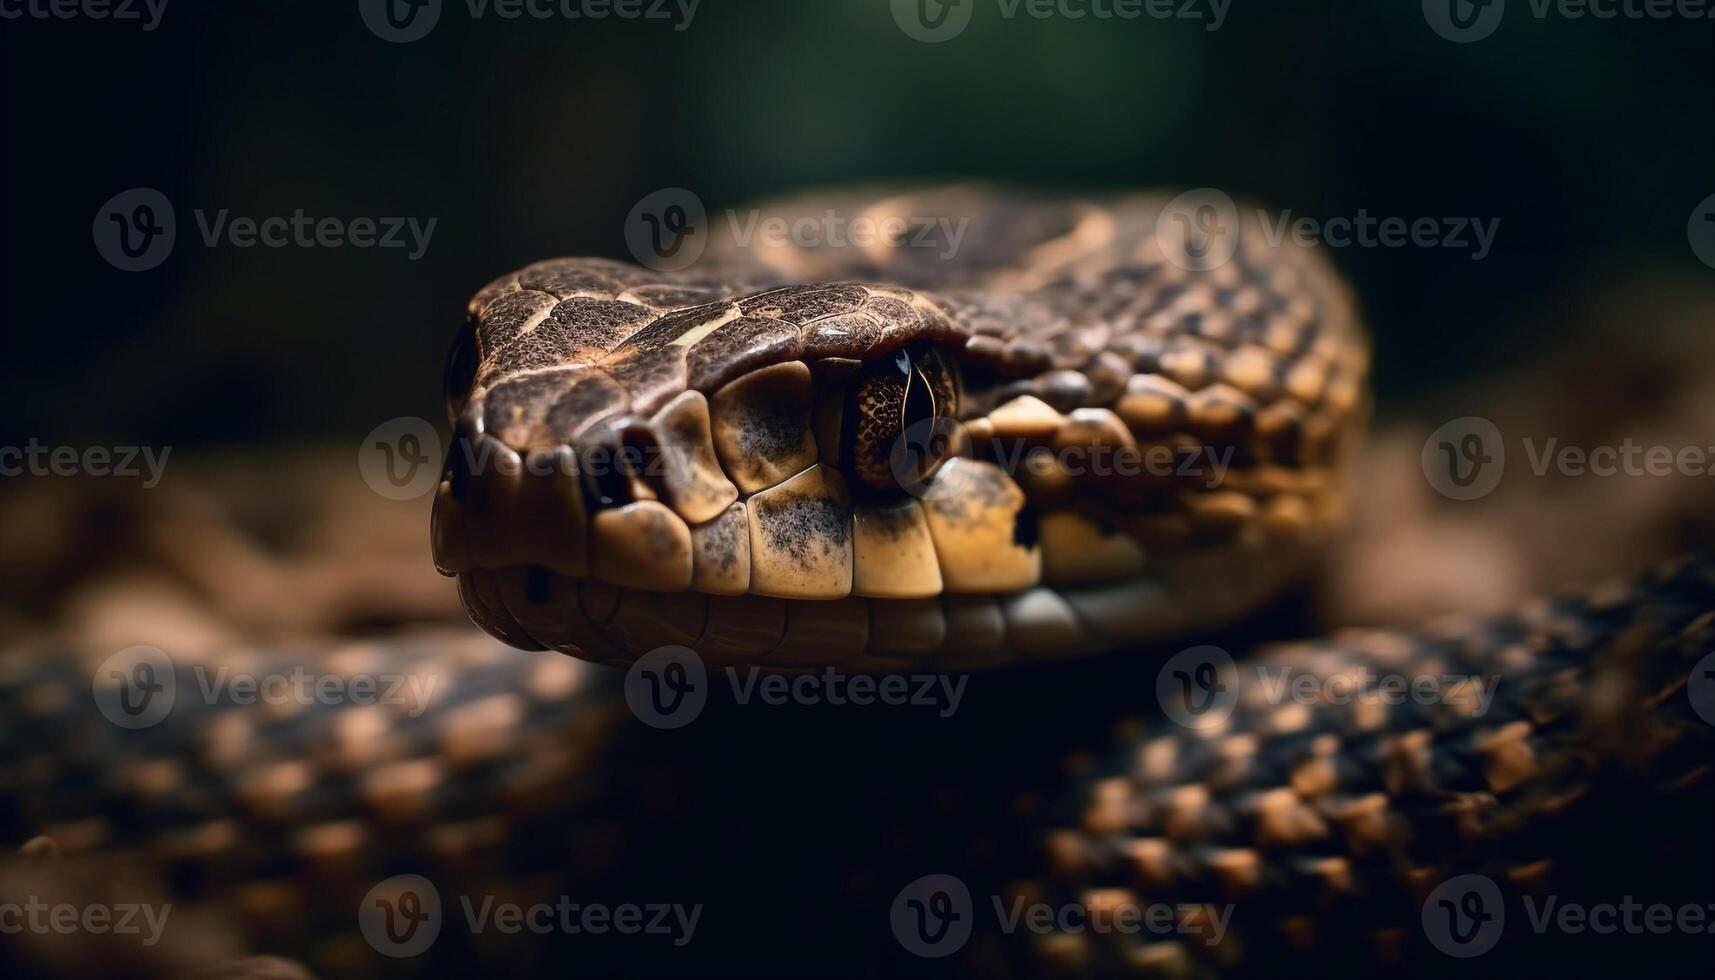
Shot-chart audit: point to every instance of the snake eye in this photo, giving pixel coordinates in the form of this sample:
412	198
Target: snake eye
895	430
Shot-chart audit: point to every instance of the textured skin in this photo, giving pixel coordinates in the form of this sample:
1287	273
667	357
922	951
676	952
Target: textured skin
525	780
1081	331
1326	827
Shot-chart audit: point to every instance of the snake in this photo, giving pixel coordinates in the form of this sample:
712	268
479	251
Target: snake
1034	439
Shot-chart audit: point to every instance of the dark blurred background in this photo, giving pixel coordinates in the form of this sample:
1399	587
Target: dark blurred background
1590	139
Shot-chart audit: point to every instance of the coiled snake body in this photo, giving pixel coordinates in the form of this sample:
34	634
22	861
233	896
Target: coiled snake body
1089	428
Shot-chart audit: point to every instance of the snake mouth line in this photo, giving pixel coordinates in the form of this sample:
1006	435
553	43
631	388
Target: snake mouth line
531	607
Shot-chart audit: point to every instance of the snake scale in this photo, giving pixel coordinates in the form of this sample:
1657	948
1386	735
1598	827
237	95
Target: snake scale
1086	429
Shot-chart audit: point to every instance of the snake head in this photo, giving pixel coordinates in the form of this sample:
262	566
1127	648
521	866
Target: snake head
1069	441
